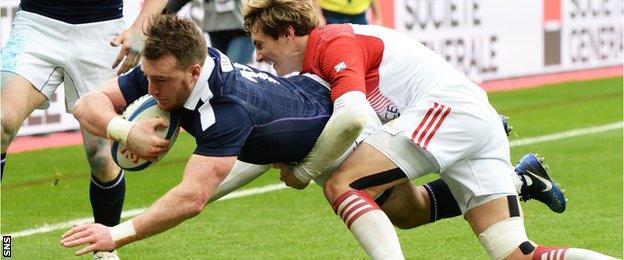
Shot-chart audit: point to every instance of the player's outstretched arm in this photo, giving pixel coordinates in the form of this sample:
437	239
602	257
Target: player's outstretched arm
184	201
132	39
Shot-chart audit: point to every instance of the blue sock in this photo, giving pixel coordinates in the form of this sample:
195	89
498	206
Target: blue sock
2	169
107	199
443	204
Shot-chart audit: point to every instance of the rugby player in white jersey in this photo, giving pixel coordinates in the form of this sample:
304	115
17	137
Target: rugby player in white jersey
437	121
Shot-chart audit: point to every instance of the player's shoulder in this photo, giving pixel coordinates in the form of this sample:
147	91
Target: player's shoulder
331	32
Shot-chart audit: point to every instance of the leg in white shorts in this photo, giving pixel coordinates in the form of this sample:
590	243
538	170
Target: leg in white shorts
40	54
459	139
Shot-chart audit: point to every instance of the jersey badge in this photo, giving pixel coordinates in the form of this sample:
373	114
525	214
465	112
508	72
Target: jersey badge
340	66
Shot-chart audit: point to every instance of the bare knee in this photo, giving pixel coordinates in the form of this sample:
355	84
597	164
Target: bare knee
10	126
100	160
334	187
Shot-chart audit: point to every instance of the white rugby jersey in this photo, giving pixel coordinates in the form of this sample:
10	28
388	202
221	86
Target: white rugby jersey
393	69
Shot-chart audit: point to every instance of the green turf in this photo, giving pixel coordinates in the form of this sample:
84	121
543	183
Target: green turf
300	224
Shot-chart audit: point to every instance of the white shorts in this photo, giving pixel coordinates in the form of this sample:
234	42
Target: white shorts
454	132
48	52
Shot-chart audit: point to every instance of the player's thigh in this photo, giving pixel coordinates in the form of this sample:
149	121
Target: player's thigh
19	99
31	70
365	161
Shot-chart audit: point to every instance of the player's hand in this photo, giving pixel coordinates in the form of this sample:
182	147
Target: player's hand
96	235
132	41
287	176
143	141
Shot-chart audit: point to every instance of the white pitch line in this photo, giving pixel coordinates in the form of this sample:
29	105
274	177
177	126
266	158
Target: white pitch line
567	134
45	228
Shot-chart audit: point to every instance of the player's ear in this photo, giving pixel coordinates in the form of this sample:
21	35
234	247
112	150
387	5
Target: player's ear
195	71
289	33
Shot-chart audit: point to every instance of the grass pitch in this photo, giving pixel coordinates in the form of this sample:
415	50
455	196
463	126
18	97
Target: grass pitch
51	186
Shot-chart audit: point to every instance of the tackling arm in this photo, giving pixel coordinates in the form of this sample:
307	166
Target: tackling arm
343	127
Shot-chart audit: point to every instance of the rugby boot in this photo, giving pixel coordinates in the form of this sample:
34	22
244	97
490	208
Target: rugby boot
538	185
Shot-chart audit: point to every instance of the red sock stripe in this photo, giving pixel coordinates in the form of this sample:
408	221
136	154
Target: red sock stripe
345	213
551	253
435	105
361	198
359	214
340	199
356	200
447	110
358	193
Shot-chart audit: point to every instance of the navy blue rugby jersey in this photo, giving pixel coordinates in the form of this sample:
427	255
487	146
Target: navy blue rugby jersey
75	11
235	110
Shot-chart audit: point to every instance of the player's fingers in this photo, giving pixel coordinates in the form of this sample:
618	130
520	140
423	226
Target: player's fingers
75	236
156	151
159	122
87	249
74	230
117	40
149	158
119	58
78	241
161	143
70	241
131	60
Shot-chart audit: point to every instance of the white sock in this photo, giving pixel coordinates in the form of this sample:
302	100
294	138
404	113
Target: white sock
581	254
369	224
562	253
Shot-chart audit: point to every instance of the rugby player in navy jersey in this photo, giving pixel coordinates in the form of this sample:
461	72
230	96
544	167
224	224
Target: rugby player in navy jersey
232	111
71	42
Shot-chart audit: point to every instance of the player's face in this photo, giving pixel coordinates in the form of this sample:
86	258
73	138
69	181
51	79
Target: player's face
281	53
169	84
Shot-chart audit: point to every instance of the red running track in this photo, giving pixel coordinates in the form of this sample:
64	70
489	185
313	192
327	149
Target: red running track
29	143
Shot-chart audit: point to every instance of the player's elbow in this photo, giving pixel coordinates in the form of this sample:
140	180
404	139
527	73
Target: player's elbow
350	110
195	205
354	121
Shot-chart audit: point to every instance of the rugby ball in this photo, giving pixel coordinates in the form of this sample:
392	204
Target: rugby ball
145	108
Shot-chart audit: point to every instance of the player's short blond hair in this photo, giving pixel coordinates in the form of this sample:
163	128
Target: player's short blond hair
173	35
272	17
